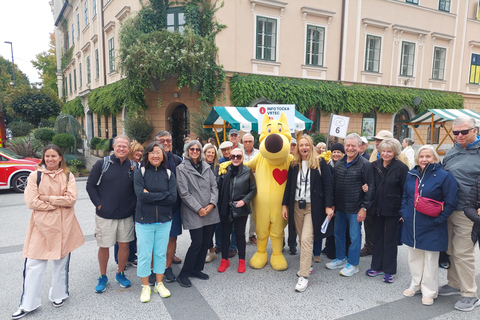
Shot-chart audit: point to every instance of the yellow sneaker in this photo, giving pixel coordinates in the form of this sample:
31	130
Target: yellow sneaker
145	295
161	290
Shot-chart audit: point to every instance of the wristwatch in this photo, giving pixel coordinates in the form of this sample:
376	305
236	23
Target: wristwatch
364	209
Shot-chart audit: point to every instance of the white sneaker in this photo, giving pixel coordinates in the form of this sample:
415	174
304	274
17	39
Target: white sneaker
210	256
336	264
349	270
146	292
161	290
302	284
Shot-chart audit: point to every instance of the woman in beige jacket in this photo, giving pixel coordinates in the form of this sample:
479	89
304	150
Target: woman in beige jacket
53	231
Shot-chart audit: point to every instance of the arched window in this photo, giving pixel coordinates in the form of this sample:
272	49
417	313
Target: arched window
369	124
314	115
400	130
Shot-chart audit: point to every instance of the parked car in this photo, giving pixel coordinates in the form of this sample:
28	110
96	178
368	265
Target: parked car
14	170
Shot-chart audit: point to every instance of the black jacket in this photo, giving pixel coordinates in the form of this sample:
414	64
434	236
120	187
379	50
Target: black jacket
156	205
347	185
389	184
471	206
242	187
115	193
320	196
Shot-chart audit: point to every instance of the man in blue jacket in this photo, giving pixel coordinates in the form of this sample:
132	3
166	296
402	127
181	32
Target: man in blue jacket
463	162
110	188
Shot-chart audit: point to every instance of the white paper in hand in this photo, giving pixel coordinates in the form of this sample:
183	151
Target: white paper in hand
325	225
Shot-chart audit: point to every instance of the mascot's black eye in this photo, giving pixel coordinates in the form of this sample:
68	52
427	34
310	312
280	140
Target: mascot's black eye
269	129
279	129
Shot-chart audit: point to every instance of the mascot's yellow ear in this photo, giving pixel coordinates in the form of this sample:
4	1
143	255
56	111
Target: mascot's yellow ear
265	122
284	121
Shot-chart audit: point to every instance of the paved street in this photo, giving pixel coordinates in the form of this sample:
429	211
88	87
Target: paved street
256	294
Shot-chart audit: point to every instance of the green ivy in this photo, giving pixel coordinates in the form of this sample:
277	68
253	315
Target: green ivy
109	99
336	97
67	57
74	107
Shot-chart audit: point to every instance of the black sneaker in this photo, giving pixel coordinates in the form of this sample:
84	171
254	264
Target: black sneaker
152	278
168	275
200	275
293	250
184	281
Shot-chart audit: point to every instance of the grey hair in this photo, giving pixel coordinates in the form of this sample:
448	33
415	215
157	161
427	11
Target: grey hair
409	141
248	135
121	137
321	144
186	156
354	136
429	147
390	144
464	119
161	134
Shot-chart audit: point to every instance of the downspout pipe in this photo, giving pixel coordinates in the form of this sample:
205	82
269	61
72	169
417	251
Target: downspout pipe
342	31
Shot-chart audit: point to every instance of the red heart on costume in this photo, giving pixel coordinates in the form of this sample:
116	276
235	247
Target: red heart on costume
280	175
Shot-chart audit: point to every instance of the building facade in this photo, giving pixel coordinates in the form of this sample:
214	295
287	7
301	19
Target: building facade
423	44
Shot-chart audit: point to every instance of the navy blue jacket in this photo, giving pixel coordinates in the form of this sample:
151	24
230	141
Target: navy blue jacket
115	193
419	230
156	205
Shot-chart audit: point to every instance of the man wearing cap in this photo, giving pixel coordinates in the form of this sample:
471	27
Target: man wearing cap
225	148
293	145
363	148
249	152
233	138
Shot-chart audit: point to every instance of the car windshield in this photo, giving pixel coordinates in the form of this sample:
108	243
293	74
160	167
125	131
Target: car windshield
10	154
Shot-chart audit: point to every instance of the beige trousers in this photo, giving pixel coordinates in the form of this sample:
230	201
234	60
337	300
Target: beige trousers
304	228
461	249
424	270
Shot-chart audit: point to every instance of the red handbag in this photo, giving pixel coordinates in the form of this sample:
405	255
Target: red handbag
427	206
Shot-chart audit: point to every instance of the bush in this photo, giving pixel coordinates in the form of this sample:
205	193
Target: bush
103	145
63	140
319	137
20	128
139	128
25	147
75	161
45	135
94	142
45	123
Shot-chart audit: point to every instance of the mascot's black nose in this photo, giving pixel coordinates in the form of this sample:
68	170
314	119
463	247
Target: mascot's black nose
273	143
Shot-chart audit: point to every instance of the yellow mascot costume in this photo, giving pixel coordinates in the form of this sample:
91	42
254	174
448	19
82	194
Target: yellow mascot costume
271	170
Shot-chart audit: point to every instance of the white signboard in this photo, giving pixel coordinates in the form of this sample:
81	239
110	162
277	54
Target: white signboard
274	111
339	126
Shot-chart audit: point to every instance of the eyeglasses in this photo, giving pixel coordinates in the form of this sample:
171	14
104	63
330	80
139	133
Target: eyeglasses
236	156
463	132
247	141
194	149
155	153
162	141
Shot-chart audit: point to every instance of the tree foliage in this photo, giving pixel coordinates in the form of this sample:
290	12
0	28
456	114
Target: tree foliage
66	123
6	89
138	127
109	99
34	104
74	107
46	65
336	97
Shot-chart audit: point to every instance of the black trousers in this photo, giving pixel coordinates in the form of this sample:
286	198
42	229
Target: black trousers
292	236
369	231
239	224
384	256
195	257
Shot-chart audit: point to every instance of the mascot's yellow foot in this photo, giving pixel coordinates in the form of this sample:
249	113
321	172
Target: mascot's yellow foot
278	262
259	260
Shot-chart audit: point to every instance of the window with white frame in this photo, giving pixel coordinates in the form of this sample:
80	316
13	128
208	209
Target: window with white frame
97	66
315	46
408	58
438	72
111	54
78	24
88	70
372	53
86	13
412	1
75	80
80	78
73	35
94	7
266	39
70	80
175	19
444	5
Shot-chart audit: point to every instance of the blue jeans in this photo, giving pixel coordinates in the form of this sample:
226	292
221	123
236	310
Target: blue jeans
152	239
342	221
317	247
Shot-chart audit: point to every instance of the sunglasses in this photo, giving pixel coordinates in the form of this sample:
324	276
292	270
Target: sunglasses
236	156
463	132
194	149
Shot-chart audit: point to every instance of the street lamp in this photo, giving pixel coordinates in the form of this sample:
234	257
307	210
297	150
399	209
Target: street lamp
13	63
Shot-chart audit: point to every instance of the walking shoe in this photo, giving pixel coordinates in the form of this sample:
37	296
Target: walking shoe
427	301
200	275
444	265
210	256
316	259
58	303
102	284
146	292
232	253
176	260
388	278
366	251
293	251
349	270
152	278
373	273
161	290
311	271
224	264
218	250
467	304
446	290
169	276
253	239
122	280
20	313
184	281
336	264
132	263
410	293
302	284
241	266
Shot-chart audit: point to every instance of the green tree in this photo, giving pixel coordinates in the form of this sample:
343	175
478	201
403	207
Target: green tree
66	123
6	89
46	64
34	104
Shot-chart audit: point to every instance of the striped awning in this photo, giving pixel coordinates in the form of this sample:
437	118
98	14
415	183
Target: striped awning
245	119
443	115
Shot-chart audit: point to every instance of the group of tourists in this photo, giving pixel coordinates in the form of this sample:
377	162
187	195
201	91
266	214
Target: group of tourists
144	196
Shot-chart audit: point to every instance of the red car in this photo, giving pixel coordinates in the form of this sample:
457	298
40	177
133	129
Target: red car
14	170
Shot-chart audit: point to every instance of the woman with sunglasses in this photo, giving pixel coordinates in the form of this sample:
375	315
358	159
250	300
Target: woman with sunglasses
198	190
237	189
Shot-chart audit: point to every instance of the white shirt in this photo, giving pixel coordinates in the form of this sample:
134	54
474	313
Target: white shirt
302	191
410	153
252	155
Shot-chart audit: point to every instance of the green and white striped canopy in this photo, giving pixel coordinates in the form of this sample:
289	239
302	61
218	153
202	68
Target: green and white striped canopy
443	115
245	119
